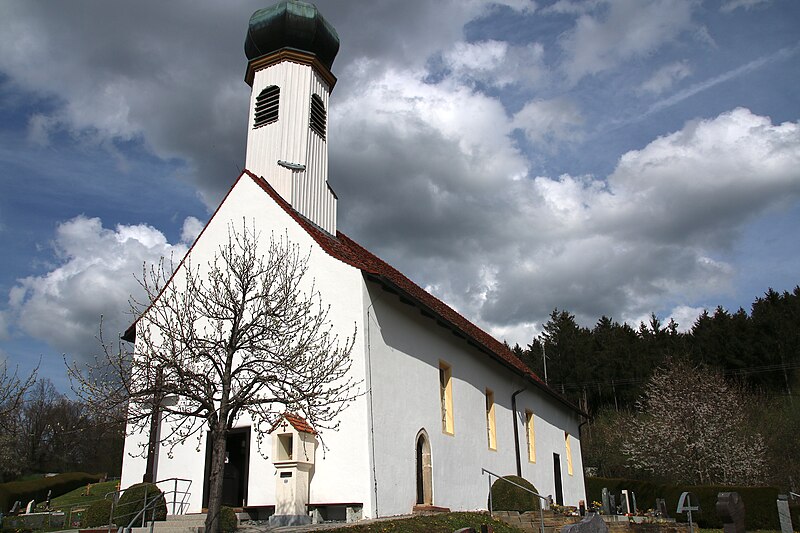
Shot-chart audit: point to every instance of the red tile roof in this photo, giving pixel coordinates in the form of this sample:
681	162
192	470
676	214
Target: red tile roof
348	251
298	422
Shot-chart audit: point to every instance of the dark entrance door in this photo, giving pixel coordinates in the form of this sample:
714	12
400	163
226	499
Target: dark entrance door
557	477
237	461
423	464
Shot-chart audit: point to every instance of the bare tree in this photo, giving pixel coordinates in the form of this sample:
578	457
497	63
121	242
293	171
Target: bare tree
13	388
692	427
247	334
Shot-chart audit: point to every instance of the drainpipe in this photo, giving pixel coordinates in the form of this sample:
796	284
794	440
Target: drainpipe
516	429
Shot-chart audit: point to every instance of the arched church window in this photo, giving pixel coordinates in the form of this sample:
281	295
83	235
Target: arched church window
318	116
267	106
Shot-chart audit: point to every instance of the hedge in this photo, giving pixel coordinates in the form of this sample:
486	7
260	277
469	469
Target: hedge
507	497
132	500
36	489
761	510
98	514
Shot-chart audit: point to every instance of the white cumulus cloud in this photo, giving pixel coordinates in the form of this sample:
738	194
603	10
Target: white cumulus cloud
93	276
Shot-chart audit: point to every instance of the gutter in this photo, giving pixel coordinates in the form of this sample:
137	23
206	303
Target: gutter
516	429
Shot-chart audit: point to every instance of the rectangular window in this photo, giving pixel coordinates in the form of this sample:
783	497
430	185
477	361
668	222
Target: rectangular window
569	453
491	430
446	396
531	436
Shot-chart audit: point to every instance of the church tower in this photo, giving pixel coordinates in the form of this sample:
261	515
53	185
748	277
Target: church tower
290	49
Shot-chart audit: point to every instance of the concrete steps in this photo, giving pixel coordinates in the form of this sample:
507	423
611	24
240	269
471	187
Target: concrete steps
531	522
185	523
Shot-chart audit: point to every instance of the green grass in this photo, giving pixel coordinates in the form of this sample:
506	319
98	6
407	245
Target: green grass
444	523
76	497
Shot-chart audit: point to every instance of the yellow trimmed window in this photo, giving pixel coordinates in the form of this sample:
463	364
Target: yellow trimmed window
569	453
446	396
531	436
491	429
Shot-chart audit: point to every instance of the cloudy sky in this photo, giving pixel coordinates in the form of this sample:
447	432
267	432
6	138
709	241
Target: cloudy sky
614	157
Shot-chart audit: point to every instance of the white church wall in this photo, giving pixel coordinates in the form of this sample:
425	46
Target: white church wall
551	421
404	352
343	470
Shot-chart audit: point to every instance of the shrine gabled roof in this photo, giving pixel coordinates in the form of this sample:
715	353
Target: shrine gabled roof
297	422
375	269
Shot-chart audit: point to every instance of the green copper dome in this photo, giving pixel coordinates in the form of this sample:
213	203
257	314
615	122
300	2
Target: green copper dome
291	25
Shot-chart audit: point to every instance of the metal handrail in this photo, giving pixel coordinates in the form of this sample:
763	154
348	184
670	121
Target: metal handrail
184	494
541	507
178	507
143	513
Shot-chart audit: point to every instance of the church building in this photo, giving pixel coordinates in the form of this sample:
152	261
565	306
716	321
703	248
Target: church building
442	398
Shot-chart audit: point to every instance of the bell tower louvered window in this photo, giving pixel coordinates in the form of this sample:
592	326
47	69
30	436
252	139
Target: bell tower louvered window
318	116
267	106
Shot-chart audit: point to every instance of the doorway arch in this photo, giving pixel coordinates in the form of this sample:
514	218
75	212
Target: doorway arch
423	469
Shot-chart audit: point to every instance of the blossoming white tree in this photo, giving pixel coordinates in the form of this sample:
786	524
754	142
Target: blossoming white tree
692	427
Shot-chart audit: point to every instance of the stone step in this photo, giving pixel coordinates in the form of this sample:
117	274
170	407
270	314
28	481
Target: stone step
193	517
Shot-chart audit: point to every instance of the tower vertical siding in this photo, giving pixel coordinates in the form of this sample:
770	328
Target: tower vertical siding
291	140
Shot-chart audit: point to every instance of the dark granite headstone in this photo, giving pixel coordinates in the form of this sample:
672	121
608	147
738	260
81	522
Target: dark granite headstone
591	523
634	508
612	501
730	508
606	502
661	508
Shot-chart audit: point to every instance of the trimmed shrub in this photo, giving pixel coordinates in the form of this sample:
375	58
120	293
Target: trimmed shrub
227	520
761	511
507	497
132	501
97	514
36	489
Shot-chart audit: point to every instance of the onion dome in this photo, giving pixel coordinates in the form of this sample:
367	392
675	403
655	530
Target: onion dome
292	24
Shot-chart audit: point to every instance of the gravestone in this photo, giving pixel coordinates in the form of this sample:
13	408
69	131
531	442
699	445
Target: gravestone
29	508
784	515
15	508
730	508
661	507
687	503
591	523
612	500
635	509
625	502
606	502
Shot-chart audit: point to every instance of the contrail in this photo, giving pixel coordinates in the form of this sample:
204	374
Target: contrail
782	54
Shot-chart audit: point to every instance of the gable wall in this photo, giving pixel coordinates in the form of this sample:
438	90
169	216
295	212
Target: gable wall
403	353
343	474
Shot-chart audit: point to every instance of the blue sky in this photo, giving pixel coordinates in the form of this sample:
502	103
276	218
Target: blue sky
614	157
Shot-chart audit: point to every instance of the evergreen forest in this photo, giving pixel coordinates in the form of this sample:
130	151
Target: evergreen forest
746	366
